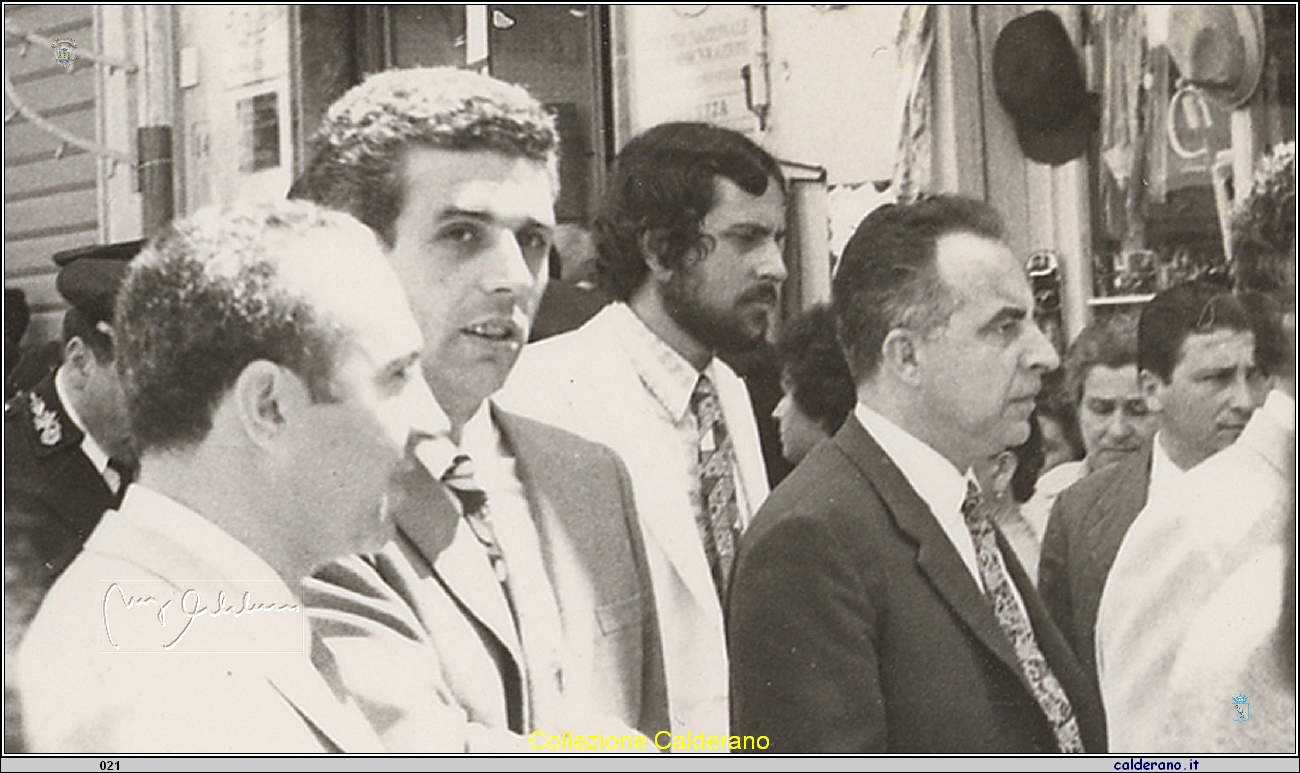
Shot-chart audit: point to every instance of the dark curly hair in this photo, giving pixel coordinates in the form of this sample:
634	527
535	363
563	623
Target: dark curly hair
663	182
357	152
210	296
814	365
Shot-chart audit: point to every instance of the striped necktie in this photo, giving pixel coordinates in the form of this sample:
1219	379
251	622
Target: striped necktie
1015	624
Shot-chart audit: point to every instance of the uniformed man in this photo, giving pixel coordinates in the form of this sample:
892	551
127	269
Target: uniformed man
68	456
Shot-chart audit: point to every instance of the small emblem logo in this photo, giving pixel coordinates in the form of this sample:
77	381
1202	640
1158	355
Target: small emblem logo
65	51
46	422
1240	708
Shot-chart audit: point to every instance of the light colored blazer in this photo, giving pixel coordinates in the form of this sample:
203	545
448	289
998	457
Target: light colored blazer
587	382
425	615
212	692
1195	609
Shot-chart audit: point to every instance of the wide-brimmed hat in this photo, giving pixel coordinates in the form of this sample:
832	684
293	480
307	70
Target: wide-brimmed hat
1219	48
1039	81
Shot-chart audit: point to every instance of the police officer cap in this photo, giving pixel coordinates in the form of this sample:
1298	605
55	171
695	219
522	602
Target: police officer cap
91	277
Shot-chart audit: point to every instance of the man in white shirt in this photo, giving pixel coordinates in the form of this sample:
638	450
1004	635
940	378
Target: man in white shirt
518	566
874	607
269	366
690	245
1196	359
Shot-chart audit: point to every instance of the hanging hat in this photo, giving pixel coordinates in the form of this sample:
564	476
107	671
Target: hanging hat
1219	48
91	277
1038	78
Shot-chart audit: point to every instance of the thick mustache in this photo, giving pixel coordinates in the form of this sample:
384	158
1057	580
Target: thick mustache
765	293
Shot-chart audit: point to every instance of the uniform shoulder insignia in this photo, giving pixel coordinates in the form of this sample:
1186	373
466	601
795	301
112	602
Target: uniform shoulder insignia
45	421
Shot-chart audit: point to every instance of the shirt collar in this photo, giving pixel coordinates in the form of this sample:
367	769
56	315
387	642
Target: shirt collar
1164	473
667	374
1281	408
96	454
480	438
939	484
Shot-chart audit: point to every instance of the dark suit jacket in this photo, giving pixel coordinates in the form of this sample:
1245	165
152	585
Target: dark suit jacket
54	496
428	586
856	627
1083	534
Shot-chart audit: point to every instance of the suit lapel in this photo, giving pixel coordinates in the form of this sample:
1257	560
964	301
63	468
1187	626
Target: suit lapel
936	557
335	723
546	503
1118	507
461	564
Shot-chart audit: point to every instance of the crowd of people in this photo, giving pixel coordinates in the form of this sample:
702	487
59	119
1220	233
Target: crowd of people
301	483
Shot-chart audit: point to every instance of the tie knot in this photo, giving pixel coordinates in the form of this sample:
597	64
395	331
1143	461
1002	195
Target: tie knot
703	390
461	468
459	477
970	506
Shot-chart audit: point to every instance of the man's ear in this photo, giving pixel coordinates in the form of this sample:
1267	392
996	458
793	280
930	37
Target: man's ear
654	243
77	361
1152	389
266	398
898	354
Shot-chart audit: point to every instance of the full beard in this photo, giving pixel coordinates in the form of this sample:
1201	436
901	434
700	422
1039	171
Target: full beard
719	330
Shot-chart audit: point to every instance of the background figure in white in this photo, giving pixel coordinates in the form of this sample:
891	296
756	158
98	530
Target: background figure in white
1200	605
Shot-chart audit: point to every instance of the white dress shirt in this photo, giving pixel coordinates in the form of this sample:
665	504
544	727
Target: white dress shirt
939	484
538	619
614	381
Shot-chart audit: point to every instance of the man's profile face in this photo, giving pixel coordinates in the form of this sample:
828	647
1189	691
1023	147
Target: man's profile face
1113	415
980	371
726	292
470	248
348	447
1211	394
103	408
800	433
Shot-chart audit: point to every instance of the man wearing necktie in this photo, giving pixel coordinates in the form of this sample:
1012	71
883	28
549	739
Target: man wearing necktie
518	572
874	607
690	242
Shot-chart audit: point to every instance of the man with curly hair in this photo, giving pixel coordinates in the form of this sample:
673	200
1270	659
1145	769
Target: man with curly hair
269	367
518	568
689	242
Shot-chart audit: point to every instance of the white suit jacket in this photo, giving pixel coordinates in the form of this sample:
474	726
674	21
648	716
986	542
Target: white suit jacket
136	650
1193	609
590	382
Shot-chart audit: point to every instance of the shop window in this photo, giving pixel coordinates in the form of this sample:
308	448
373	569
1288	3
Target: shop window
1162	182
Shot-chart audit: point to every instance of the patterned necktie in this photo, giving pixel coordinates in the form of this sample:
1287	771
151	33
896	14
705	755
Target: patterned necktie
459	477
716	516
1015	624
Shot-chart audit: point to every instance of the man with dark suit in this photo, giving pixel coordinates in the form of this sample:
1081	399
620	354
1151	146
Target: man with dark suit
1196	365
518	567
874	608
